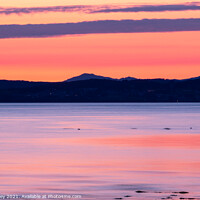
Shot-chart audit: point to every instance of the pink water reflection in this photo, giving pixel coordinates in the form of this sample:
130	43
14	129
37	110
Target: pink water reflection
120	149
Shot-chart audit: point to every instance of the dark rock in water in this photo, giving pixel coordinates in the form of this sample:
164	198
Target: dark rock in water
167	128
118	198
183	192
173	195
190	127
140	191
127	196
78	129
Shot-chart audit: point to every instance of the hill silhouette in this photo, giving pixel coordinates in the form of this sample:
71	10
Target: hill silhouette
87	76
102	90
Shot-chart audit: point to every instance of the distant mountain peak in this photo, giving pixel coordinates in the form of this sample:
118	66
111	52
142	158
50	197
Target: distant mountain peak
128	78
86	76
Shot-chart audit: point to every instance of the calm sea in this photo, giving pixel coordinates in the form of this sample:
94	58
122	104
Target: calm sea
101	150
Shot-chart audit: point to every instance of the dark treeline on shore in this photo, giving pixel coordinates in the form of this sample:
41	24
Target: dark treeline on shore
102	90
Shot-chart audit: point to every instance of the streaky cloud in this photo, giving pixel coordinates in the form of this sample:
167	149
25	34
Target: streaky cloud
30	10
93	27
102	8
152	8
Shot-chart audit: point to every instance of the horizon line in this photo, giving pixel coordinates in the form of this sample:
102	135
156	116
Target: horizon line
99	75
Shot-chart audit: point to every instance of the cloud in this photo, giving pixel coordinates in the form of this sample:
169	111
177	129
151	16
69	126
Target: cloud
152	8
102	9
29	10
107	26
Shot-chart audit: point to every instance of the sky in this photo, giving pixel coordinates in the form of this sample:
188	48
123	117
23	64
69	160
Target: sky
54	40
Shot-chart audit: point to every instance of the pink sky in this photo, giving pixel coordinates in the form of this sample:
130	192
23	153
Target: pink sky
141	55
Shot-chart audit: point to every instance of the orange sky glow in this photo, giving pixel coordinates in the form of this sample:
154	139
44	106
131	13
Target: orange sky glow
140	55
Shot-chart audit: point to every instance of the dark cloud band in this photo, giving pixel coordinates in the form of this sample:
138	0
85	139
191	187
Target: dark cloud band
107	26
151	8
101	9
29	10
